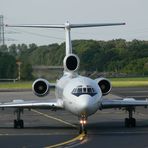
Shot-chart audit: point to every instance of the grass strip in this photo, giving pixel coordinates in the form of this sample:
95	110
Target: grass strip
116	82
16	85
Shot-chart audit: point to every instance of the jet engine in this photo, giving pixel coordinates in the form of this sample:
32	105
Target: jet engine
104	85
40	87
71	63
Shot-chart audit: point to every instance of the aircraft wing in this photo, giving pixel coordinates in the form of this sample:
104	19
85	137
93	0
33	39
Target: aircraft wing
36	104
121	103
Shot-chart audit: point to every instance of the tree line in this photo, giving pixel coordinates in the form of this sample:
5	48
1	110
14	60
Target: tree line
119	56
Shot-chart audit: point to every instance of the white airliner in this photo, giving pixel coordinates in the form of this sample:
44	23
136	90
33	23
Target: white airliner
77	94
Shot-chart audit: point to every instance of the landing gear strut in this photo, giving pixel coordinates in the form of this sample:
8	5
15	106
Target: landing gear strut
83	122
18	123
130	122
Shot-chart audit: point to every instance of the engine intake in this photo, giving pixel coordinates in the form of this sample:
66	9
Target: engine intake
41	87
104	85
71	62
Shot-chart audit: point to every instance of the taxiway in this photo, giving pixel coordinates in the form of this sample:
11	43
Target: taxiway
44	128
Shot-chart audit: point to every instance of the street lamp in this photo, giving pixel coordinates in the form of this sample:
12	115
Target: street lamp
18	62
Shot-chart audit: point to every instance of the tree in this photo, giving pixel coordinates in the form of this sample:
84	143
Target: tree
3	48
13	50
26	71
110	56
8	66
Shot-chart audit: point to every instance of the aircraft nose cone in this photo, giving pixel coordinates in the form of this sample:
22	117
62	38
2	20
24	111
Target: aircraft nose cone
84	102
87	105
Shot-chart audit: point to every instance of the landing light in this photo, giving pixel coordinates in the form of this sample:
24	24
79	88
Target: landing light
81	138
83	122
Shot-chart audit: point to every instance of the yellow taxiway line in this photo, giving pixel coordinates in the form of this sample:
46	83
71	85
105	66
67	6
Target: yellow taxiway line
51	117
78	138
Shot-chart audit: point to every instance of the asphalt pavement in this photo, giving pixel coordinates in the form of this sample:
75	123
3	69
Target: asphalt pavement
105	128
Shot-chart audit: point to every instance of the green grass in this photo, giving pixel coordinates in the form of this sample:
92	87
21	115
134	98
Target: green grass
116	82
16	85
129	82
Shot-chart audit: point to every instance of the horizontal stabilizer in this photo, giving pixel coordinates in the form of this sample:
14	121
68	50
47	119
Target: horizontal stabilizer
67	25
95	25
38	26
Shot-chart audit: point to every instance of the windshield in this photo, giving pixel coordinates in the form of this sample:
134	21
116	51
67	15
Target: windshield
81	90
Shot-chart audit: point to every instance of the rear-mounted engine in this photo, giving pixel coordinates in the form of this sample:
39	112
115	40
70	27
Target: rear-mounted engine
41	87
71	63
104	85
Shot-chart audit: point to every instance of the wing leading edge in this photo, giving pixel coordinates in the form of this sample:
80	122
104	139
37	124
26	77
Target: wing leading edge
44	104
125	102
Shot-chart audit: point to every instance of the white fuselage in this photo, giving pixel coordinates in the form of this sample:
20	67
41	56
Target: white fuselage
80	95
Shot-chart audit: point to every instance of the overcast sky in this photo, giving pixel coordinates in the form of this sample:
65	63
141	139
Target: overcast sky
133	12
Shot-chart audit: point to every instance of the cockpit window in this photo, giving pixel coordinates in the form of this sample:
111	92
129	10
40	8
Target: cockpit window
74	90
89	90
81	90
93	90
84	90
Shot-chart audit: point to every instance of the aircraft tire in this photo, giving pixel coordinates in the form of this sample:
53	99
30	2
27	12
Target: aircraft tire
18	124
15	124
127	122
133	122
21	123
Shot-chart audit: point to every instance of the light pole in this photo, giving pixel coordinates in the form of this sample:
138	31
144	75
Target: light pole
19	69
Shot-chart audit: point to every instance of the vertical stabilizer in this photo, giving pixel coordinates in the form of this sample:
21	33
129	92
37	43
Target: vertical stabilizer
68	39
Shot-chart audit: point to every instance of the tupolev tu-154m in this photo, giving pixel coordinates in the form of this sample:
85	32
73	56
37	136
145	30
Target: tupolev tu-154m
80	95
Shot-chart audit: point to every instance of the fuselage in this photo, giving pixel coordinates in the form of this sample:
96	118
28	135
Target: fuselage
80	95
77	94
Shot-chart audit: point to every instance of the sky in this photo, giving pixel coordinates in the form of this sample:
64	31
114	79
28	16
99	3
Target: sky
132	12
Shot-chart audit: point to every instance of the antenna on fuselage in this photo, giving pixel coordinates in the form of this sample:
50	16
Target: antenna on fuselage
67	26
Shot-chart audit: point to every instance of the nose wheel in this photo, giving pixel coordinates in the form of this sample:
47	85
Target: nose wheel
83	123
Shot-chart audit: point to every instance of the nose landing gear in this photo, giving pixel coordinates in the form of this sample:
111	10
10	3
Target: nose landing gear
83	122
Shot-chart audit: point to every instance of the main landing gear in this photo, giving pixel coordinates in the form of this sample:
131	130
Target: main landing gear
83	122
18	123
130	122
